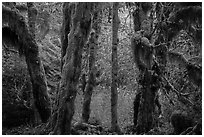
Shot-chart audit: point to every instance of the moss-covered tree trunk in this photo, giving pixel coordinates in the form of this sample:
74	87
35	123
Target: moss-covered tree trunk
93	43
91	80
114	92
146	106
68	9
81	25
16	27
39	86
144	101
32	14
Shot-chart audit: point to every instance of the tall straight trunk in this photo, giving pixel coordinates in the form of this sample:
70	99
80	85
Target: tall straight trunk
114	93
93	43
81	25
91	80
24	41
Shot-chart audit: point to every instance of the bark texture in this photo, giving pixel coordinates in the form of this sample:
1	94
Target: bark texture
147	103
81	25
136	107
16	33
32	14
93	43
91	80
114	93
68	10
143	54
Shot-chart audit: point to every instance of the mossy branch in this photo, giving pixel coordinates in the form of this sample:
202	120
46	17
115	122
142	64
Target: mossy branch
18	31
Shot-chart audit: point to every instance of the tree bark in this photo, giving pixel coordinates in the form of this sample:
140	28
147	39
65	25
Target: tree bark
27	46
136	107
144	100
93	43
81	25
91	81
32	14
147	105
114	93
68	9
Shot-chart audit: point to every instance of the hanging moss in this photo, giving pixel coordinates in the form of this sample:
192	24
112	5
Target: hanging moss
16	30
81	26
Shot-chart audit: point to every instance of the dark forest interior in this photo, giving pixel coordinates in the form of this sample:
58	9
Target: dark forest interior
99	68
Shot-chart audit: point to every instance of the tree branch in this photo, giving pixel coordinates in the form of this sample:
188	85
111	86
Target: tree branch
176	91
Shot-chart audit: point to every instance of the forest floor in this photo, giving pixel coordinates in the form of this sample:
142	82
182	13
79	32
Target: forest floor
41	130
100	116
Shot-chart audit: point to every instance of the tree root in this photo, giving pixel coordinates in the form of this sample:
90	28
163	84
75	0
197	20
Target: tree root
85	126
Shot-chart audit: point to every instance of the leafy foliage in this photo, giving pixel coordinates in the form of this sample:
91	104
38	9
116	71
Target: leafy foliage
16	91
178	27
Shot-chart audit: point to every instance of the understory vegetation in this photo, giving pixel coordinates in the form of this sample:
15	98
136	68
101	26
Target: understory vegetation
101	68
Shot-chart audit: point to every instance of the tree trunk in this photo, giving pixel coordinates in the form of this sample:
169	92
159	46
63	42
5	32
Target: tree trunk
81	25
93	42
91	80
146	106
144	100
136	108
88	93
68	9
114	93
32	14
26	44
39	86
